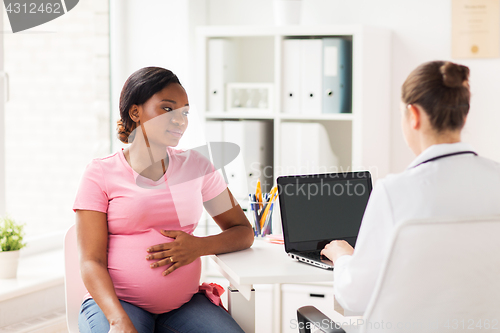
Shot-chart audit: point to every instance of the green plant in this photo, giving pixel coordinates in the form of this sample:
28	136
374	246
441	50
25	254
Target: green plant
11	235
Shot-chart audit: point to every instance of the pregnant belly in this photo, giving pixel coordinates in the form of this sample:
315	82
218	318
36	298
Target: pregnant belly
135	282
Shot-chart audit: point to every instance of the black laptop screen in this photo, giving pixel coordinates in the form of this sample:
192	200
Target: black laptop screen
323	208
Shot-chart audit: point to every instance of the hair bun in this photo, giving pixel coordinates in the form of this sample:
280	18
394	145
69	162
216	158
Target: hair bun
123	133
454	75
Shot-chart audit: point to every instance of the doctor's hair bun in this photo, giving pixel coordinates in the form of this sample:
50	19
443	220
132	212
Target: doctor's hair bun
454	75
441	89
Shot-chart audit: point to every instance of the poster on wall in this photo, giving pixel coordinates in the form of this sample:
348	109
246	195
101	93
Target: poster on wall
475	28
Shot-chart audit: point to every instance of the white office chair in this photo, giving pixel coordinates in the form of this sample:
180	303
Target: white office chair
75	289
441	275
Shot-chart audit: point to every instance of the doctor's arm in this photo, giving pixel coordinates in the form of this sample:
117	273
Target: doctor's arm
92	239
356	274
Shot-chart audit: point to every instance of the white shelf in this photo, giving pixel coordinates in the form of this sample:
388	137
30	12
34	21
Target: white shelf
237	115
283	116
35	273
319	117
293	30
359	139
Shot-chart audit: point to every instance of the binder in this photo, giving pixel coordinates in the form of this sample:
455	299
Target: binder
255	159
255	140
337	75
233	131
258	154
291	76
213	130
291	148
311	76
306	149
221	69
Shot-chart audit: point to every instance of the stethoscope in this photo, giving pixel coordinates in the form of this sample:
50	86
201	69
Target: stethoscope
446	155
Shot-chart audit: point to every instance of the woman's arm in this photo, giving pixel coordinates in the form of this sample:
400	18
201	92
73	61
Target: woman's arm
237	234
92	239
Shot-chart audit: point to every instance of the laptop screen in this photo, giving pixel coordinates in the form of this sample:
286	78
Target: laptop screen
316	209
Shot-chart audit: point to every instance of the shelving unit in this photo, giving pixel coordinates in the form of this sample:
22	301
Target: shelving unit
361	138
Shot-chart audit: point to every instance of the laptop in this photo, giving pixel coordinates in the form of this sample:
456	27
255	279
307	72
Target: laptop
319	208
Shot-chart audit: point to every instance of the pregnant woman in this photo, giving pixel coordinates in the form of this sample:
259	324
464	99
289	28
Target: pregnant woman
136	211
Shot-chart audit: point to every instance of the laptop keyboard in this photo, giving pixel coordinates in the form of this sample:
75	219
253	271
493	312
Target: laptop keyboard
315	255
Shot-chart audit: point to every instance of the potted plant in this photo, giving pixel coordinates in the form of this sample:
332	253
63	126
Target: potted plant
11	241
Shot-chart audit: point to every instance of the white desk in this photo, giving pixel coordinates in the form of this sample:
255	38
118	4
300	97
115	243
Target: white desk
263	263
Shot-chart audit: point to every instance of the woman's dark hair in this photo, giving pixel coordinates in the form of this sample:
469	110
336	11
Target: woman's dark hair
138	88
442	90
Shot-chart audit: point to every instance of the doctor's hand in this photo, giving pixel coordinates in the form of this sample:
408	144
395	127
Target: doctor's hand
182	251
336	249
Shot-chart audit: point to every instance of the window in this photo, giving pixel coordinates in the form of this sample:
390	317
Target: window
57	114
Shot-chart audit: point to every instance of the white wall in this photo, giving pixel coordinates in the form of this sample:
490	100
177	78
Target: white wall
155	33
2	124
421	32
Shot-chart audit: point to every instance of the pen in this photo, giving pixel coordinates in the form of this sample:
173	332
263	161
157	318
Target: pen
262	219
268	206
252	209
270	196
256	213
258	194
267	225
273	191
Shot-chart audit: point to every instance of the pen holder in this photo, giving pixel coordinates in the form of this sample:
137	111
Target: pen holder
261	220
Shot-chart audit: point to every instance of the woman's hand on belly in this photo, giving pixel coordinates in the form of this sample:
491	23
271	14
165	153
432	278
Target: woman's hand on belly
183	250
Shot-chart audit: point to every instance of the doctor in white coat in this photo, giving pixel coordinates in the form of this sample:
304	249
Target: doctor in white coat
446	179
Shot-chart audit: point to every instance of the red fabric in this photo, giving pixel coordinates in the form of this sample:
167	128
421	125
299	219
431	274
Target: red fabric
213	292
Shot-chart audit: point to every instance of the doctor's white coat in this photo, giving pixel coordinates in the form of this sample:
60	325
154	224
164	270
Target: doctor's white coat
461	185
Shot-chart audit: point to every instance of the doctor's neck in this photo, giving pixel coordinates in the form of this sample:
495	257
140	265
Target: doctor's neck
431	137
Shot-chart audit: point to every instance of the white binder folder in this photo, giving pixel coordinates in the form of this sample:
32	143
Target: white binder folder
233	131
291	76
255	159
305	149
311	76
221	69
213	130
258	154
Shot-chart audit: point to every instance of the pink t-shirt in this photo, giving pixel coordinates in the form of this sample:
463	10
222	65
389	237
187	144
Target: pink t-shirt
137	209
